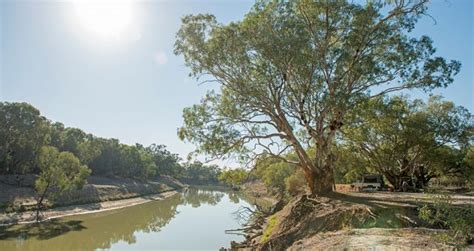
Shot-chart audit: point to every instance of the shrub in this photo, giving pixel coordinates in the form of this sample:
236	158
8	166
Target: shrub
458	220
295	183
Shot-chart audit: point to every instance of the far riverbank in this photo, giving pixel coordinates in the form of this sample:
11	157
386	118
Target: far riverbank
57	212
17	201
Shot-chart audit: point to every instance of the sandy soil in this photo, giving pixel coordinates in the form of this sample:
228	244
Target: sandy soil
258	189
29	216
332	222
405	199
374	239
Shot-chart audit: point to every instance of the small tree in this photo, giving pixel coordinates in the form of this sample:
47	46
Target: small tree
291	70
60	172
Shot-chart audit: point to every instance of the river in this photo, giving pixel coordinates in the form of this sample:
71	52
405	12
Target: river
194	220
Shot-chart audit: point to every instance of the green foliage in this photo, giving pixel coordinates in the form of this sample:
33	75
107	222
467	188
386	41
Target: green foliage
166	162
291	70
280	177
109	162
295	183
60	172
271	223
136	162
273	173
467	165
398	137
349	166
199	174
22	134
458	220
233	177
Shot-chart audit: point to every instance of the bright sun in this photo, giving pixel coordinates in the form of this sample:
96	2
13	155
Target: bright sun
105	19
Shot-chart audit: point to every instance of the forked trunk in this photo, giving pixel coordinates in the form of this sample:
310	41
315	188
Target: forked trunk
319	172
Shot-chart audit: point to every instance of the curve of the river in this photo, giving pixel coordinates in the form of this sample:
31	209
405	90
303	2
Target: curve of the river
192	220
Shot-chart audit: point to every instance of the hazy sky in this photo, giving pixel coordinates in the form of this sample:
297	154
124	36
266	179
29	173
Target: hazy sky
112	72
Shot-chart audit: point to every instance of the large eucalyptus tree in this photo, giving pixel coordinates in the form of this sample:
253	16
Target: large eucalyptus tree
290	70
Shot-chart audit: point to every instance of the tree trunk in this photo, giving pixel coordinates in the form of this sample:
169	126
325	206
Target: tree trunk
320	184
320	178
323	184
39	204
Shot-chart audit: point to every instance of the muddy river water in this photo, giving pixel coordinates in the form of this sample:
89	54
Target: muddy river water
195	219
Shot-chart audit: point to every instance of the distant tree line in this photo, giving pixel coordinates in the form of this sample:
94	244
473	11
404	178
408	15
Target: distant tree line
24	132
233	177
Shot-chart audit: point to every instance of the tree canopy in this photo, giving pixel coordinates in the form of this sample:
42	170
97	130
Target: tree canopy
233	177
398	137
59	172
291	70
24	132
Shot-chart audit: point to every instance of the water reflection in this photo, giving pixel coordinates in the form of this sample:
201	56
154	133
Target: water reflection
102	230
196	197
45	231
234	197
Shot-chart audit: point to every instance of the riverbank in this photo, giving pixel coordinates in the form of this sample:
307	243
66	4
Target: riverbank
401	239
17	200
347	220
192	219
57	212
257	190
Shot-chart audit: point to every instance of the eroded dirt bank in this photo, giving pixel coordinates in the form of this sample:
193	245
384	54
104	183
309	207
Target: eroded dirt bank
353	221
17	201
29	216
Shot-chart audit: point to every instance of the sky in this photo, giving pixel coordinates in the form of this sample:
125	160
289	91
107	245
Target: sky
110	69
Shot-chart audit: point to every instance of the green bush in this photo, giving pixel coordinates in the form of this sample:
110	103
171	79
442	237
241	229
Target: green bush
295	183
458	220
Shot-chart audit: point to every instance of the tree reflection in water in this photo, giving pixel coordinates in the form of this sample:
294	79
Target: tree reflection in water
197	197
101	230
234	197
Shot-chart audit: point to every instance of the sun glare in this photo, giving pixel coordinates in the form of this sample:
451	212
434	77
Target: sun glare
105	19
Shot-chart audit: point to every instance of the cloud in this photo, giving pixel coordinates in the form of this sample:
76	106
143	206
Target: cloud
161	58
